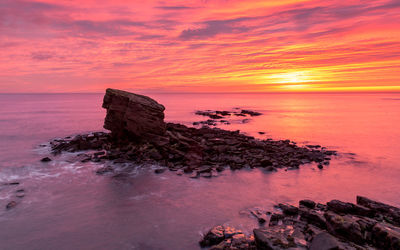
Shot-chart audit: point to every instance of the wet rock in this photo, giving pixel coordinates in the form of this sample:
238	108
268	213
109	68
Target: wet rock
391	213
213	237
11	204
14	183
204	150
233	239
318	227
194	175
20	193
132	115
260	215
159	170
307	203
275	218
288	209
348	208
324	241
279	237
313	217
385	236
45	159
344	226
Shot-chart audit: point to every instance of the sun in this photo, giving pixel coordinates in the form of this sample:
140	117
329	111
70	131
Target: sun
291	77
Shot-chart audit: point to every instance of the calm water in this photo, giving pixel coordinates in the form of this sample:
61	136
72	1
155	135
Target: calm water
67	206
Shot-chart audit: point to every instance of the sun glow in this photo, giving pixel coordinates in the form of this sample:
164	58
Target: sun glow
292	77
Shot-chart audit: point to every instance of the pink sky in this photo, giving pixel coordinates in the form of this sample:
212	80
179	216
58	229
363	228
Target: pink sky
219	45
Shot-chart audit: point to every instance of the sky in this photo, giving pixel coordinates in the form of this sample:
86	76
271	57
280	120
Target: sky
199	46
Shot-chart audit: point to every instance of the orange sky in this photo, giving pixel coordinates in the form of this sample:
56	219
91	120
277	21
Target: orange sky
205	46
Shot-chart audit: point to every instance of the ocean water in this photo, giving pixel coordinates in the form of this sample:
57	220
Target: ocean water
68	206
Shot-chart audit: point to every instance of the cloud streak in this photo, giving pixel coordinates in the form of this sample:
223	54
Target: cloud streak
198	46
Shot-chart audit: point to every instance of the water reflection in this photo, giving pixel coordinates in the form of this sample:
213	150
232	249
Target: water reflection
68	206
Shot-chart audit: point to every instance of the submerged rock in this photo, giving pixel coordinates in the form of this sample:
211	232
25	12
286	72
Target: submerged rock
132	115
223	237
11	204
45	159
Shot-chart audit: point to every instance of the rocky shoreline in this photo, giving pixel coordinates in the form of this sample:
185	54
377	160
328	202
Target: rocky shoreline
224	117
336	225
140	136
198	152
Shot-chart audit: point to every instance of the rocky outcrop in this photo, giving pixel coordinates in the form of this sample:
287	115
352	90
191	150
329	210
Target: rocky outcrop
131	115
196	152
337	225
223	117
143	138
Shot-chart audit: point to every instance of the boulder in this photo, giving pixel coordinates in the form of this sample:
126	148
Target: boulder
385	236
307	203
324	241
131	115
349	208
391	213
213	237
344	226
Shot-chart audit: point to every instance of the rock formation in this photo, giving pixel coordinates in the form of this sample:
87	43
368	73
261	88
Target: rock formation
133	116
144	138
337	225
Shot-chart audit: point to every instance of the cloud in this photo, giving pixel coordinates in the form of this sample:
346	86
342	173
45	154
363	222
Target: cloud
42	56
173	7
213	28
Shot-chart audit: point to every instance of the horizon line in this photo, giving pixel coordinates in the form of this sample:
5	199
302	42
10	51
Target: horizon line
193	92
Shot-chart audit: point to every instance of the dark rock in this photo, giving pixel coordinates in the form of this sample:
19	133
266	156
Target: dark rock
391	213
194	175
288	209
11	204
318	227
313	217
385	237
279	237
324	241
349	208
12	183
213	237
251	113
344	226
307	203
275	218
176	146
20	193
45	159
133	115
263	242
260	215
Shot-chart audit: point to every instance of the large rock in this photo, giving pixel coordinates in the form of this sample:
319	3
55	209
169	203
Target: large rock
132	115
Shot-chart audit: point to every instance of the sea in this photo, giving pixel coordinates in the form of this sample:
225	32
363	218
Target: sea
68	206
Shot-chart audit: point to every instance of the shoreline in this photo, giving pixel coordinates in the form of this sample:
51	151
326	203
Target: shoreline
196	152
